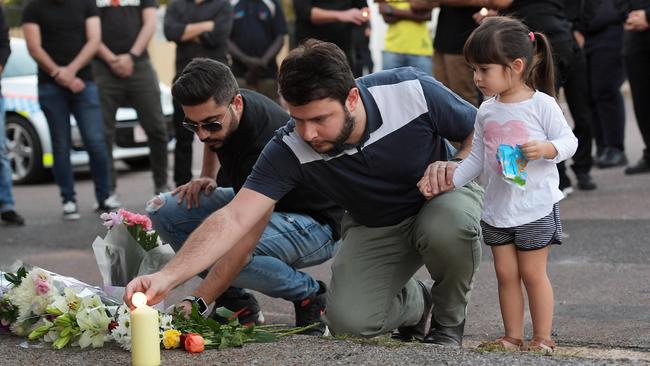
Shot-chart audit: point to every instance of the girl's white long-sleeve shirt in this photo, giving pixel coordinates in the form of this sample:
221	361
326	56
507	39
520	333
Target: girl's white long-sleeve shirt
538	118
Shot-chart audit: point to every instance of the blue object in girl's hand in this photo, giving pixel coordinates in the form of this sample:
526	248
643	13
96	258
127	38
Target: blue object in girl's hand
513	164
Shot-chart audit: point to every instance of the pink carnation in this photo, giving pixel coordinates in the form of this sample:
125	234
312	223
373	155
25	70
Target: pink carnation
42	287
132	219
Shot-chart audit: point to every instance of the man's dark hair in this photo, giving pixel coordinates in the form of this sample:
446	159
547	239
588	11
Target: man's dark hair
202	79
316	70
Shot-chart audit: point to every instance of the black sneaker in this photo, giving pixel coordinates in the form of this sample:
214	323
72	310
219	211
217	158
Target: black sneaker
244	305
585	182
419	330
445	336
613	157
643	166
310	311
12	218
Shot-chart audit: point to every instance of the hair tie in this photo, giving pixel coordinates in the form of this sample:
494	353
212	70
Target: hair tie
532	36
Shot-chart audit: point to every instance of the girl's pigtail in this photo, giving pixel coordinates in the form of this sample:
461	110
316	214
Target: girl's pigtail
542	72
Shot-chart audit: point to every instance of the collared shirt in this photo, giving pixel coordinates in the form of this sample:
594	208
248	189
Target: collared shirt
212	44
409	116
257	23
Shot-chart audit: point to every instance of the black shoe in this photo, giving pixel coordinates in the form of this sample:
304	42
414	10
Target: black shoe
244	305
445	336
419	330
585	182
613	157
310	311
12	218
643	166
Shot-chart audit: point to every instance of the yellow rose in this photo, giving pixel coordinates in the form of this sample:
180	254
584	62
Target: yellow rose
171	338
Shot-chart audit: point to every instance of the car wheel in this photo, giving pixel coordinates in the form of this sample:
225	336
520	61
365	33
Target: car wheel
140	163
25	151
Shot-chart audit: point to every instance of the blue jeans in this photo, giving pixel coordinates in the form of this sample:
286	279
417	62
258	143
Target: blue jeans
290	241
57	104
392	60
6	199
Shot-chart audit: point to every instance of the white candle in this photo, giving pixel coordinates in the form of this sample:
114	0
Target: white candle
145	339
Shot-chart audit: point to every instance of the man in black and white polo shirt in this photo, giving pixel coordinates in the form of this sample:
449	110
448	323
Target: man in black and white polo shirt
365	144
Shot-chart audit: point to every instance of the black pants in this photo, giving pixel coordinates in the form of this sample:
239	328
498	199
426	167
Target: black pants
606	75
637	62
183	150
571	69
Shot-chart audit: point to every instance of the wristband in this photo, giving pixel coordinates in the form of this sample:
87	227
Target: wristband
133	56
456	160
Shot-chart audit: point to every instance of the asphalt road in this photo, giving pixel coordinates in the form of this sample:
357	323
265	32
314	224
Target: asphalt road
600	277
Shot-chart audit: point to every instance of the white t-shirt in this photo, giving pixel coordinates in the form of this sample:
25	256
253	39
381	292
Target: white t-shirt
538	118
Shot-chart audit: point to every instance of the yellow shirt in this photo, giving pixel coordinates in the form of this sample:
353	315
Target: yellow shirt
407	36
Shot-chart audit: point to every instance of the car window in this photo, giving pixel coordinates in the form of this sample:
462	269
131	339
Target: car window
20	63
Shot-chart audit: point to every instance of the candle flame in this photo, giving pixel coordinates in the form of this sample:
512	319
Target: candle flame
365	14
139	299
484	12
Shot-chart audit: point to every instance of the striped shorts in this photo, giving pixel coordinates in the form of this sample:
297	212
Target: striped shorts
534	235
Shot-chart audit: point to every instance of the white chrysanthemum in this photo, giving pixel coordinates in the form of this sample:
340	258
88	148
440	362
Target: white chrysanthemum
26	298
122	333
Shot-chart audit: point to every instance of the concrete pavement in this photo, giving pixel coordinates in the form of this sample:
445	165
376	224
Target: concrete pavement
600	277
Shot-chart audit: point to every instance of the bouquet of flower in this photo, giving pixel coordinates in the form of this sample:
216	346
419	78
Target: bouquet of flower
45	306
129	249
60	310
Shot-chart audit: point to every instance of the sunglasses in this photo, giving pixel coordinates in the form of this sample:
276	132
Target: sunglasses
210	126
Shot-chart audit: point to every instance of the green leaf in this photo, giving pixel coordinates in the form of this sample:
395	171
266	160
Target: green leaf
264	337
225	313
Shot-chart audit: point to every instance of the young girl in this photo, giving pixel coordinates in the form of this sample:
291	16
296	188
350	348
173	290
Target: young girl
515	66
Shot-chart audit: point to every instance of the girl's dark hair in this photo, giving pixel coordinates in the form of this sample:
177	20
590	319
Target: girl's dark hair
202	79
501	40
316	70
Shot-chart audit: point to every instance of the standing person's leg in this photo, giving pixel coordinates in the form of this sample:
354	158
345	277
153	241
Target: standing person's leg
460	78
7	212
372	290
392	60
608	104
637	59
112	94
576	91
88	113
420	62
593	65
54	101
439	68
511	295
144	93
447	235
183	149
532	267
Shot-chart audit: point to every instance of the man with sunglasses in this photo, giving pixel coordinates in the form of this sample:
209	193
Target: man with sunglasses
303	230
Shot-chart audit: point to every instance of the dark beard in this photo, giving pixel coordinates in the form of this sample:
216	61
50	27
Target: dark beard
339	144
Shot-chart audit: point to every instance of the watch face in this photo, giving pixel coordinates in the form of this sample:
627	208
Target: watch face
203	307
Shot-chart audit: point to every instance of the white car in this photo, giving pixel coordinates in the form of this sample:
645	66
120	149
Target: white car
28	135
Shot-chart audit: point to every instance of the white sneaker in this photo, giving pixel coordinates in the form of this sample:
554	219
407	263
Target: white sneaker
70	211
109	204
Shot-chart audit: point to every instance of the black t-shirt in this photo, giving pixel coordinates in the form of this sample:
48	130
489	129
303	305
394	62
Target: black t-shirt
121	22
337	32
256	25
261	118
455	24
546	16
63	30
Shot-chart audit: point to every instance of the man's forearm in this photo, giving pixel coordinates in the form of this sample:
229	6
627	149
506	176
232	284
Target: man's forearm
44	60
105	53
149	19
194	30
273	49
89	50
322	16
228	267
